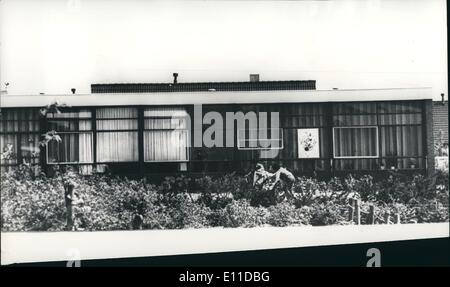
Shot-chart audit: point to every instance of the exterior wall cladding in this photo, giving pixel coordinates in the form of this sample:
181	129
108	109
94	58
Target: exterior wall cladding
440	121
352	137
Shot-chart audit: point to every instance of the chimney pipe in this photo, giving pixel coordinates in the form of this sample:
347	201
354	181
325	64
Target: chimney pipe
175	76
73	90
254	77
443	101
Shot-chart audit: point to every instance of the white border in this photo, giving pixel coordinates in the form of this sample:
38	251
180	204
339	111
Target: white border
22	247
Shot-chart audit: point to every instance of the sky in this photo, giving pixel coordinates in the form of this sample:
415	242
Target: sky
51	46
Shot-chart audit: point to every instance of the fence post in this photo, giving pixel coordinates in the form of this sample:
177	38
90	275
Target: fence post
371	219
68	198
387	217
397	218
357	212
350	209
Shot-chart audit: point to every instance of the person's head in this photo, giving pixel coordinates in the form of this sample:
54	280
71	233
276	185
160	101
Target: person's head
259	167
276	166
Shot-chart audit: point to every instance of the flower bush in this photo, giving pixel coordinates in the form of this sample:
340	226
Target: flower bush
32	201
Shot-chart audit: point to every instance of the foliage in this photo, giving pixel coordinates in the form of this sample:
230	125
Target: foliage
32	201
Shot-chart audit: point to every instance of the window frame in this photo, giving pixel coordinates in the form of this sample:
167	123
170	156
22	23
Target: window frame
357	157
187	130
73	162
281	137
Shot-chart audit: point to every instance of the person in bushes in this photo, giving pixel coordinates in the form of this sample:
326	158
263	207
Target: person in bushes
260	176
283	175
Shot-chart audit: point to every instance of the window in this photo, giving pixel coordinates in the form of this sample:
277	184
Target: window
166	134
260	139
117	134
19	137
355	142
75	131
401	134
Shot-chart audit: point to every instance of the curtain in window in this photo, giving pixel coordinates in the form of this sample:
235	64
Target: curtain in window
402	142
74	128
19	131
166	134
355	142
117	136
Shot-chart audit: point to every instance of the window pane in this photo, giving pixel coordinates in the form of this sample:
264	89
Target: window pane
69	125
400	119
399	107
355	142
73	148
401	141
117	146
354	120
117	125
166	135
8	145
354	108
166	145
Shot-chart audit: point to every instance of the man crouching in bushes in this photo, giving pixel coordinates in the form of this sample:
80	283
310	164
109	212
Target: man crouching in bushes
281	174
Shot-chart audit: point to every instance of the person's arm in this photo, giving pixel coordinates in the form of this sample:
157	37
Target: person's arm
277	179
254	177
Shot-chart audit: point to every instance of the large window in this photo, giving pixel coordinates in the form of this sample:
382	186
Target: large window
75	130
355	142
19	137
376	135
166	134
401	134
117	135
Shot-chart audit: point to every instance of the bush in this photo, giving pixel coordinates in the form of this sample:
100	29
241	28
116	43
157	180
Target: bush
285	214
187	214
327	214
32	201
31	205
240	213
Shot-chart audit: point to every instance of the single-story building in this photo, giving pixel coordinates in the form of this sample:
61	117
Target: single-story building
150	129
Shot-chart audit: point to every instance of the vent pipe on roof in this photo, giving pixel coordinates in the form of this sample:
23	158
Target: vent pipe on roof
175	76
254	77
443	101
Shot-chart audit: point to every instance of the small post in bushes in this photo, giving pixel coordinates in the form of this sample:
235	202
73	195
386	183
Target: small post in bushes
68	198
371	219
387	217
357	211
397	218
350	209
138	220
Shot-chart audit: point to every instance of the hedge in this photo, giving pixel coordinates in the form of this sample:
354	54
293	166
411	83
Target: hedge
103	202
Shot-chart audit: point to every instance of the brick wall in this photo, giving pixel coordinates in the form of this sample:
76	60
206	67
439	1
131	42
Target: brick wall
429	134
440	120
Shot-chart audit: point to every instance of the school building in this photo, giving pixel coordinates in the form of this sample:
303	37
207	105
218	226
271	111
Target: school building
148	129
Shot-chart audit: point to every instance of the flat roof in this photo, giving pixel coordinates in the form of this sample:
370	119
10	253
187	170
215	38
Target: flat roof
218	97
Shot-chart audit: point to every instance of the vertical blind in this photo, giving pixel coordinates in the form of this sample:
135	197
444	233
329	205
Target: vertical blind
19	129
75	130
399	144
355	142
117	135
166	134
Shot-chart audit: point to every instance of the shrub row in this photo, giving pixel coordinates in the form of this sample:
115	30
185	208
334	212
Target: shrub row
111	203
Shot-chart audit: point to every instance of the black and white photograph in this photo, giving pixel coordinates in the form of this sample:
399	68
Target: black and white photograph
156	128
